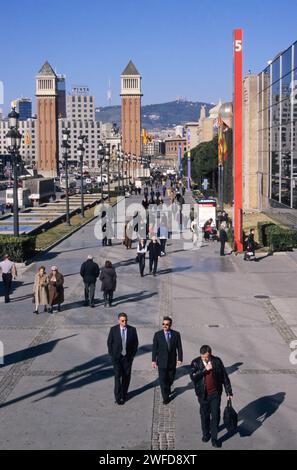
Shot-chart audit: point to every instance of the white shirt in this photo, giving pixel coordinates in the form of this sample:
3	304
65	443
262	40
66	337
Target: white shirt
6	266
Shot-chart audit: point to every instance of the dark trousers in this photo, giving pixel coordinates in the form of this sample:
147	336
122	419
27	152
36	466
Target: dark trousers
89	292
222	252
122	376
7	282
141	262
210	415
163	244
108	296
153	261
166	378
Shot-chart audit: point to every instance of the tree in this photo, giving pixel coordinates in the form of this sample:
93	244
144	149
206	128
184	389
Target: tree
204	163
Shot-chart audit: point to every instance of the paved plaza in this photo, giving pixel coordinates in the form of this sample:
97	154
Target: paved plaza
56	385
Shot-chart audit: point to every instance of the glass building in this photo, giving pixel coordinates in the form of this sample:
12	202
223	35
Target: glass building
277	127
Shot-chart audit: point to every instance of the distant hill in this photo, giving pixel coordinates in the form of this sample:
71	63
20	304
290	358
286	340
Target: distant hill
158	116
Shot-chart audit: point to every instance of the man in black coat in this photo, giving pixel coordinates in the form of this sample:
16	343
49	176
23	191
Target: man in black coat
89	271
209	375
154	250
167	354
122	346
223	238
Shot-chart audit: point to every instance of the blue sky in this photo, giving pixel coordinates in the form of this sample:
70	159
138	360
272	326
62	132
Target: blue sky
181	48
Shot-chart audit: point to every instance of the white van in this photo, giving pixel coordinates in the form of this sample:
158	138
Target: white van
23	198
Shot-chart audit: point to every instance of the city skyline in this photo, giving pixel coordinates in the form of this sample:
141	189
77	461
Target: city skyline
192	58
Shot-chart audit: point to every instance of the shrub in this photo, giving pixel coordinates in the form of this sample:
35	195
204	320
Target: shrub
261	232
19	249
280	239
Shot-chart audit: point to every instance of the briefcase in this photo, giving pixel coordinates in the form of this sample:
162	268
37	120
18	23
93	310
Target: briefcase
230	417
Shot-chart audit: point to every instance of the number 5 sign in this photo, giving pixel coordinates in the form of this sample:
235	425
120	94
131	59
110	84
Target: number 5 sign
238	45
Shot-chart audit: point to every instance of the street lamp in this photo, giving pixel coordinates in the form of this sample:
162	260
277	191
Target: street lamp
129	163
80	151
66	147
134	160
13	141
107	159
119	161
122	161
101	160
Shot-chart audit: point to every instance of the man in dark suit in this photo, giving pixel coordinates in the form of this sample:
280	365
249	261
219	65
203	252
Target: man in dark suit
209	375
89	271
122	346
167	354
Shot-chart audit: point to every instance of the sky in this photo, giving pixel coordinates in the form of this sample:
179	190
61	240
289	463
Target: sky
181	48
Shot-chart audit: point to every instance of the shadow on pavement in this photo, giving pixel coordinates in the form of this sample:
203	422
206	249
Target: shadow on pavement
138	296
92	371
33	352
255	414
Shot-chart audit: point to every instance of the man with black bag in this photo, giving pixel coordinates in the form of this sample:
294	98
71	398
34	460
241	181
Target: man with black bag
209	375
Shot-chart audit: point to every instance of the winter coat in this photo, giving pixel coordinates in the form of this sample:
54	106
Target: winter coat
56	289
108	277
89	271
40	289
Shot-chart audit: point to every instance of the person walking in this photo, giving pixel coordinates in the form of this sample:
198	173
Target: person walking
163	235
56	289
250	246
122	346
166	355
108	277
40	290
154	249
141	252
89	271
209	376
9	272
195	233
223	238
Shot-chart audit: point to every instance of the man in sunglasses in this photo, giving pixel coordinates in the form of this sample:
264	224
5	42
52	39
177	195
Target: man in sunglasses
122	346
167	354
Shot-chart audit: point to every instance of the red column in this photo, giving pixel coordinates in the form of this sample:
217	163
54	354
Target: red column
237	138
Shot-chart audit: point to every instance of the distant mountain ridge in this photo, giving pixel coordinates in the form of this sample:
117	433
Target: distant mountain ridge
158	116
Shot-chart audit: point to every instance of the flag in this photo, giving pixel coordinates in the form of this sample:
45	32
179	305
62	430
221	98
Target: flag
145	138
27	139
225	148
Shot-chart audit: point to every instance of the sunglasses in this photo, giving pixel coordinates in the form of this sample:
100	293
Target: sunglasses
166	324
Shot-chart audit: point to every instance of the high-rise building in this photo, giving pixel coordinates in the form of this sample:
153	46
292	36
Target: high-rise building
24	107
80	104
131	110
61	89
47	121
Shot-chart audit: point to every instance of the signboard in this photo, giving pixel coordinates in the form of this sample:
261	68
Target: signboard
205	183
206	211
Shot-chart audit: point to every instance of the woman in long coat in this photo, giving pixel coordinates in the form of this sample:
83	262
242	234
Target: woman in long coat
108	277
56	289
40	289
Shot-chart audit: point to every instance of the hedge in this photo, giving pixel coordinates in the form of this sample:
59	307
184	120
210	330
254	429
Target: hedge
261	231
280	239
18	249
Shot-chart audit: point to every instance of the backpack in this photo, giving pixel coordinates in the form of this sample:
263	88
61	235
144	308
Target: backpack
230	417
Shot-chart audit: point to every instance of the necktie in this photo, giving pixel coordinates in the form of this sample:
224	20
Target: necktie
123	342
168	340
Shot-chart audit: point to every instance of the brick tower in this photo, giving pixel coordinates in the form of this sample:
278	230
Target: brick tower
47	121
131	110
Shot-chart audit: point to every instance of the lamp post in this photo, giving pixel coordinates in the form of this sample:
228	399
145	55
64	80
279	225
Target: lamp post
107	159
65	147
13	141
80	151
129	163
134	160
119	179
122	169
101	160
